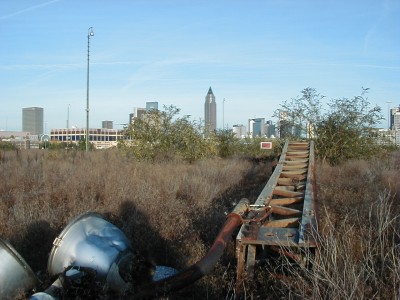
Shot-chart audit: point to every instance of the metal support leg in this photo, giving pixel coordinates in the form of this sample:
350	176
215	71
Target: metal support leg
251	261
241	263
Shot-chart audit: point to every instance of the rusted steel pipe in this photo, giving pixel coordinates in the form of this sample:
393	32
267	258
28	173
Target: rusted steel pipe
203	266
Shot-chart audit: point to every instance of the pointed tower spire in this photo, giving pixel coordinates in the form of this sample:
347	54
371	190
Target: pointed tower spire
210	111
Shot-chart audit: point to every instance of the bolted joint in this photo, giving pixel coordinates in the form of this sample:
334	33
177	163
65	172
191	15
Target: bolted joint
240	209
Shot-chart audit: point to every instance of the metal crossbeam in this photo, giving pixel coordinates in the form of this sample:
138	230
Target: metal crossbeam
284	212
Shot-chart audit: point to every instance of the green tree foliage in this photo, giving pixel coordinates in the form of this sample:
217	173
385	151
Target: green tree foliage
345	130
56	145
298	116
348	129
7	146
63	145
228	144
164	135
251	147
82	145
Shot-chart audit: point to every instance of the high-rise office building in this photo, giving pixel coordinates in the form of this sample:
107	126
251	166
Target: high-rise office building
269	129
210	111
239	130
32	120
151	105
285	127
257	127
107	124
394	122
138	113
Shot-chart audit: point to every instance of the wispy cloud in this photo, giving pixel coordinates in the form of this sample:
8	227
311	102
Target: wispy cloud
168	69
333	64
28	9
388	9
39	66
115	63
18	67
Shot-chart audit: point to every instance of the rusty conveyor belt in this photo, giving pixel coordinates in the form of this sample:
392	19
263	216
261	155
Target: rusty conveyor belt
284	213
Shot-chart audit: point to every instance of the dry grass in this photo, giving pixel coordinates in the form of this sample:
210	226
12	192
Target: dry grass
354	262
172	211
359	237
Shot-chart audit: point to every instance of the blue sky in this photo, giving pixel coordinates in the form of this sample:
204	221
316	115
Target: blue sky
255	54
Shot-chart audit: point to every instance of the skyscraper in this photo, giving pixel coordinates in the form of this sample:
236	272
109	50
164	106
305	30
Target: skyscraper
394	123
239	131
269	129
151	105
107	124
210	111
257	127
138	113
32	120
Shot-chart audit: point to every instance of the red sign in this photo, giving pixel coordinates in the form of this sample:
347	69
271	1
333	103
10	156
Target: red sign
266	145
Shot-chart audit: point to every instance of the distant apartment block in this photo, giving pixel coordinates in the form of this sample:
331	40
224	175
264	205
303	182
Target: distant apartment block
32	120
396	125
239	131
257	127
270	130
151	105
101	138
393	134
285	128
138	113
395	119
107	124
210	111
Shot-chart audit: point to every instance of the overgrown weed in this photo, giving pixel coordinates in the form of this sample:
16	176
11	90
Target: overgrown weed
173	211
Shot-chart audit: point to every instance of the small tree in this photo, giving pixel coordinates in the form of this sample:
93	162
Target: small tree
82	145
164	135
56	145
4	145
251	147
344	131
228	143
300	115
188	141
347	129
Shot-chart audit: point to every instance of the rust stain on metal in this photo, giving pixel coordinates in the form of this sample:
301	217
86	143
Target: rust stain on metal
203	266
291	220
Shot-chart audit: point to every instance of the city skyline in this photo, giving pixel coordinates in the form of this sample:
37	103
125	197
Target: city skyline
254	56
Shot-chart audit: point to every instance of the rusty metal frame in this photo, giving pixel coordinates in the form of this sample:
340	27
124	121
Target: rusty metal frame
291	184
284	214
